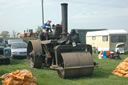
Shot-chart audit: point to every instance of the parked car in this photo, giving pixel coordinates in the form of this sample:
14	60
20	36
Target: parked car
121	48
10	41
5	52
19	50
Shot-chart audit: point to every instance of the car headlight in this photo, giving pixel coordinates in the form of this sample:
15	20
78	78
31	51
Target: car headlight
7	52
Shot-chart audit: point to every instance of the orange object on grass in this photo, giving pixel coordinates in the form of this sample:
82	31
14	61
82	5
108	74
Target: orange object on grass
20	77
108	53
122	69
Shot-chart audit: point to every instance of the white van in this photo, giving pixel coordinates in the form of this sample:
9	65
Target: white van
113	40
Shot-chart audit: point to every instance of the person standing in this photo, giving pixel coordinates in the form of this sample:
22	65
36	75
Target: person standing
47	26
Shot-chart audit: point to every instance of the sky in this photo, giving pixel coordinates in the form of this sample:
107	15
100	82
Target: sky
19	15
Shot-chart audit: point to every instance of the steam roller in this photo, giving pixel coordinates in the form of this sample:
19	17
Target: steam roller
61	51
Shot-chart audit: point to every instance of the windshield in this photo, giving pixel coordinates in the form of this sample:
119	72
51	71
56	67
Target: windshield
19	45
14	40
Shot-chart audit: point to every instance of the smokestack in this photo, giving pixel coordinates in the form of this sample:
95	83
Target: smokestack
64	7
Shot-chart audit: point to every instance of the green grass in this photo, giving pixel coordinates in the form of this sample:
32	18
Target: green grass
102	75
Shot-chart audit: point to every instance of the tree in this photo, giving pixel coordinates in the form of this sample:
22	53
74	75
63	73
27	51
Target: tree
38	29
5	34
14	33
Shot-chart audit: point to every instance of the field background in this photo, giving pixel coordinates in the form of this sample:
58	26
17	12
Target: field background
102	74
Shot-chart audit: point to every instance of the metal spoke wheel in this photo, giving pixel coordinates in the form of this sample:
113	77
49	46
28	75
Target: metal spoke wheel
34	54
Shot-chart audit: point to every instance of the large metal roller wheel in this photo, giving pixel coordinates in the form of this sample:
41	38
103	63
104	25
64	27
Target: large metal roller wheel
76	64
34	49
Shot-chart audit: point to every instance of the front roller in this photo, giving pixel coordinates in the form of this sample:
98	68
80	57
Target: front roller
76	64
34	54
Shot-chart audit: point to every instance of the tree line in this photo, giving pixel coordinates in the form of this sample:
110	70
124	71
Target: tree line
6	34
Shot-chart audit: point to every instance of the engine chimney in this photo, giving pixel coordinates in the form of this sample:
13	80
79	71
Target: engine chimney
64	7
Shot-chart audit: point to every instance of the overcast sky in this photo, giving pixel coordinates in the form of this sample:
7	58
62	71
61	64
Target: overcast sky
83	14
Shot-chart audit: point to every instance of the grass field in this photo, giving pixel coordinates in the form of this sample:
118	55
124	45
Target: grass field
102	75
